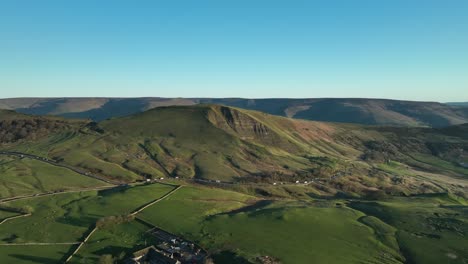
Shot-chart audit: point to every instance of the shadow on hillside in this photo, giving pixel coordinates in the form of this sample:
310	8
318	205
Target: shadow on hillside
245	209
252	207
117	189
115	250
229	257
35	259
79	221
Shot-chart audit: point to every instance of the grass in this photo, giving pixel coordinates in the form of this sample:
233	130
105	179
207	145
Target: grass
118	241
6	214
231	225
123	201
430	229
230	144
49	254
53	220
66	217
299	234
440	164
226	144
192	141
395	168
290	231
184	211
28	176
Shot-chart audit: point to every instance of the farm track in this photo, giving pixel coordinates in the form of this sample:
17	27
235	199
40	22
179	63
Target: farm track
37	195
13	217
156	201
138	210
80	244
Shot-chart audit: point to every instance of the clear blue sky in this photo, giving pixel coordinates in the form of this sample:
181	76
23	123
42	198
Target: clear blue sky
403	49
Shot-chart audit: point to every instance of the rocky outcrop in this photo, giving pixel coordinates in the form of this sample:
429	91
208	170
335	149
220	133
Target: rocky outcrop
246	127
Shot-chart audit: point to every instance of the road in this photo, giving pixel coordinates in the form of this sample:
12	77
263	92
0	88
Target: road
88	174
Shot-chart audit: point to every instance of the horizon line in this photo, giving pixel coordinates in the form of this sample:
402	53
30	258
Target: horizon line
245	98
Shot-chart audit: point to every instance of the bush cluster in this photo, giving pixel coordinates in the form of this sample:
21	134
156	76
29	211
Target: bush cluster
109	221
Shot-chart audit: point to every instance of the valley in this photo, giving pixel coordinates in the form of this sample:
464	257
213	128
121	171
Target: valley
245	186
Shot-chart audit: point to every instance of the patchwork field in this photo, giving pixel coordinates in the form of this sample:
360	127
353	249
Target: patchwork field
68	217
293	232
239	228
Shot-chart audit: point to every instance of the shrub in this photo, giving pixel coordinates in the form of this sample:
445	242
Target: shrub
109	221
106	259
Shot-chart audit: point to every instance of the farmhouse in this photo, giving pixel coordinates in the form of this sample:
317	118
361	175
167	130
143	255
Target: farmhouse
177	248
151	255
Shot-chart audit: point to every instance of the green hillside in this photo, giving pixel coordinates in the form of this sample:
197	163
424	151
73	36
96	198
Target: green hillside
219	143
27	176
245	186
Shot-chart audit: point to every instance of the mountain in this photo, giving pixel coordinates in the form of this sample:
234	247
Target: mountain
227	144
359	111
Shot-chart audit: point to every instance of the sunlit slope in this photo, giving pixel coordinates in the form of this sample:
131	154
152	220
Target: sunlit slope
215	142
27	176
235	145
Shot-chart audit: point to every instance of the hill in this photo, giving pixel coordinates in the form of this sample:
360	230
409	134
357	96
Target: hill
458	103
238	183
360	111
232	145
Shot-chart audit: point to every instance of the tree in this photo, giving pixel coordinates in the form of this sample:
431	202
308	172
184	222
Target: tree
27	209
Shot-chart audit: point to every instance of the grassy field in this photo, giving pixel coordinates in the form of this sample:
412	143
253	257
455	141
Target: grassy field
28	176
239	228
66	217
299	234
117	241
6	214
50	254
184	212
293	232
430	229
